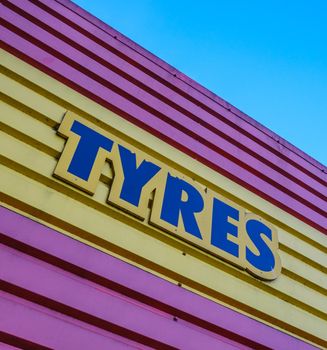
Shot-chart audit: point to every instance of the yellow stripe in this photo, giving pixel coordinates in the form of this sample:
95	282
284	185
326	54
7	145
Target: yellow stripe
40	164
62	98
17	121
309	237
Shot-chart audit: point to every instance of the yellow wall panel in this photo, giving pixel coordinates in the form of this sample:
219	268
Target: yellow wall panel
44	165
300	241
62	95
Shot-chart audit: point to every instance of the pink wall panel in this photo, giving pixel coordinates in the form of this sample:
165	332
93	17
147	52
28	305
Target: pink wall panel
55	285
53	330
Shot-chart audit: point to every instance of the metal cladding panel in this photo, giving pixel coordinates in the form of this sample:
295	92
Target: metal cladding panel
65	42
32	107
58	58
62	294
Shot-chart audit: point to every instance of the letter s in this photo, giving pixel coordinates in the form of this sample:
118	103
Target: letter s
261	253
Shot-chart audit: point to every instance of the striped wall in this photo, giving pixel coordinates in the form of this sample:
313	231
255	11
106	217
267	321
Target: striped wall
31	109
56	58
119	306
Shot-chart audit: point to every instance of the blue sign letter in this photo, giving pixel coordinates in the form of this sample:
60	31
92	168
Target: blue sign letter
265	261
221	227
87	150
173	204
135	177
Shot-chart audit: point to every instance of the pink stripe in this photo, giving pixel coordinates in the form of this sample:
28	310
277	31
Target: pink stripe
52	329
156	87
198	92
70	290
103	95
7	347
96	262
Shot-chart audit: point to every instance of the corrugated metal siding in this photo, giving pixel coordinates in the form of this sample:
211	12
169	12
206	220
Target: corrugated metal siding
63	294
32	106
94	59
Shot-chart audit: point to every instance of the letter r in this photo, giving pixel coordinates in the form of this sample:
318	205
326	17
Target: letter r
173	205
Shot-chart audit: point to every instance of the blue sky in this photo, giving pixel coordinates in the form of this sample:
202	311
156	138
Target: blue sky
267	58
